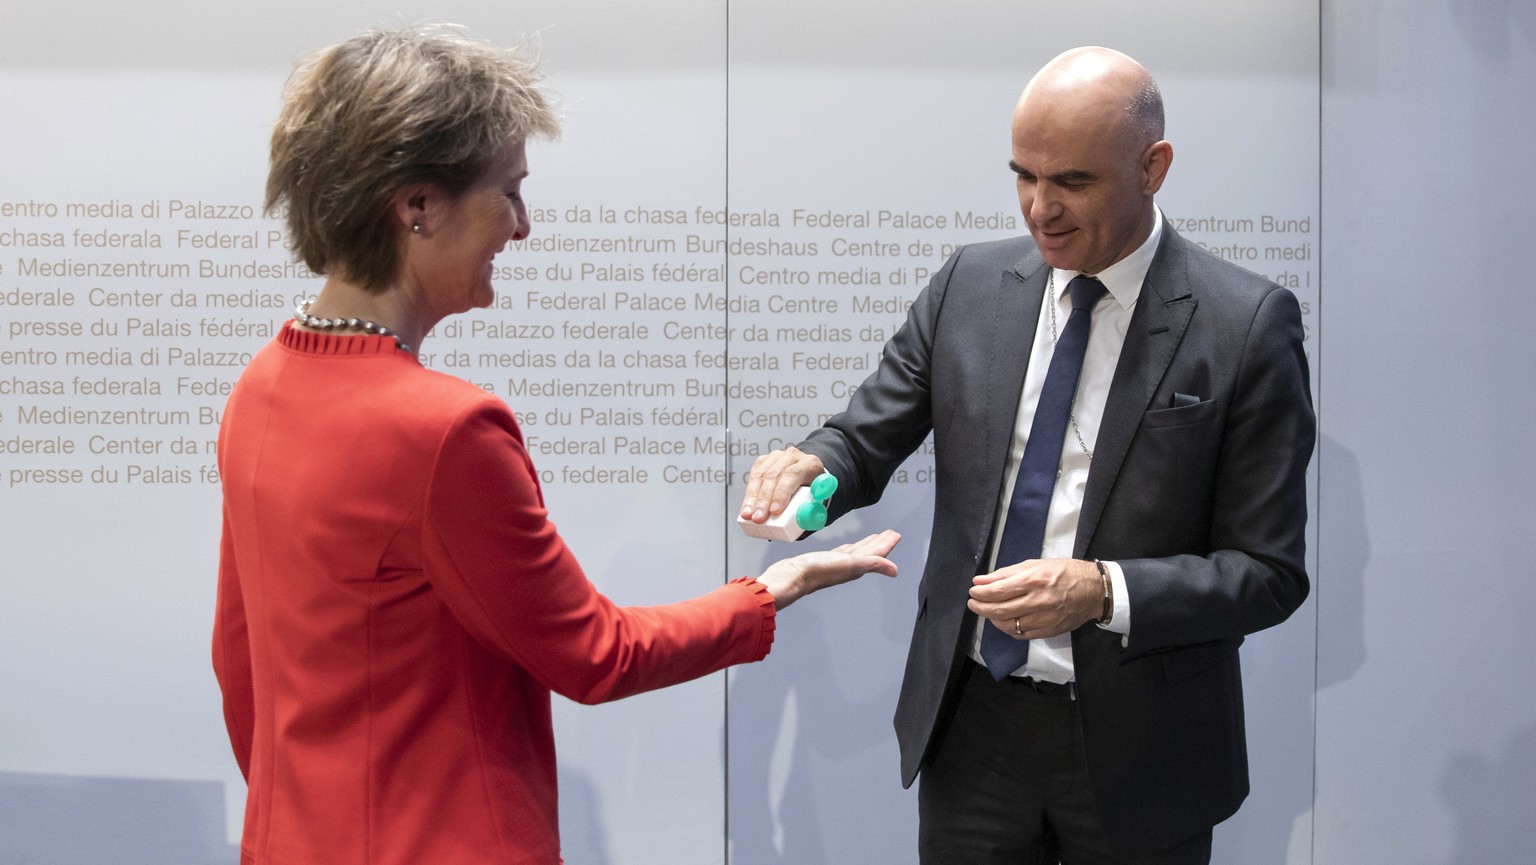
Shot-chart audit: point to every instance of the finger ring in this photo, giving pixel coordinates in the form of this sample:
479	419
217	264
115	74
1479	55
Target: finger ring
1016	628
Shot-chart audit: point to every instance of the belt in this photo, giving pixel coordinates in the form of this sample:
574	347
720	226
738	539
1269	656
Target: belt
1058	690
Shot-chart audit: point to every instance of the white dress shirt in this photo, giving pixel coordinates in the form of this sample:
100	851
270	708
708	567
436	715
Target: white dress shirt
1050	659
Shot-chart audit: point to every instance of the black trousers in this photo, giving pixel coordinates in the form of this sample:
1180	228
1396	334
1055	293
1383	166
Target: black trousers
1008	785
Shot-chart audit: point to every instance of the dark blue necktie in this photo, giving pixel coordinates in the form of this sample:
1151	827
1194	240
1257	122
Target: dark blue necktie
1024	531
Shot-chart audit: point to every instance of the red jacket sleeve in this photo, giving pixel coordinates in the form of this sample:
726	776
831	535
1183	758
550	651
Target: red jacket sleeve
502	569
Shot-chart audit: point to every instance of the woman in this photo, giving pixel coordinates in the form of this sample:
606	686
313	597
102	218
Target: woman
394	605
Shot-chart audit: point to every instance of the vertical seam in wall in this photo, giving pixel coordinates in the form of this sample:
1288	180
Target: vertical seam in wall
725	493
1317	608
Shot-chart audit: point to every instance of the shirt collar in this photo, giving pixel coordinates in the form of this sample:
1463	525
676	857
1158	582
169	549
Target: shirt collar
1124	278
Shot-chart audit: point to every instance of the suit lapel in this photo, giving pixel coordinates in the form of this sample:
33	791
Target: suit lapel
1020	292
1157	326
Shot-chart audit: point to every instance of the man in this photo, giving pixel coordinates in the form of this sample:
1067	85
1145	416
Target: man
1169	517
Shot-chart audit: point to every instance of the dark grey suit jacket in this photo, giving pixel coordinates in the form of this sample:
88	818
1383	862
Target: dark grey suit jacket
1201	498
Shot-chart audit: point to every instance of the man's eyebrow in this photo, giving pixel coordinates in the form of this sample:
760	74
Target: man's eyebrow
1071	175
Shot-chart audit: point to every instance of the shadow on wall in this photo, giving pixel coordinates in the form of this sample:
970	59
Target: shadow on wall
813	755
1281	692
1345	550
1491	799
72	820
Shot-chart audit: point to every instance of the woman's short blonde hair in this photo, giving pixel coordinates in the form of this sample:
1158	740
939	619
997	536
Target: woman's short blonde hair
368	117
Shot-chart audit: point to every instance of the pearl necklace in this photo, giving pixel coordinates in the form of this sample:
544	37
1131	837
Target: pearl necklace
302	316
1050	290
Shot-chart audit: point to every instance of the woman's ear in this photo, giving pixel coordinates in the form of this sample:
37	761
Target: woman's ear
415	208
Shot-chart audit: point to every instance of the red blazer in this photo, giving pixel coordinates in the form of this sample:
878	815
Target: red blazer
395	606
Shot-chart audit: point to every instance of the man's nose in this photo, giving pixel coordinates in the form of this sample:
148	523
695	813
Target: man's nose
1043	205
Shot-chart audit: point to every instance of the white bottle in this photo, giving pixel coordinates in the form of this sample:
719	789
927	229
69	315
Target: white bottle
806	512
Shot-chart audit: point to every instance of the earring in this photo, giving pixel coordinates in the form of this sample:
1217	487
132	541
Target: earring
416	227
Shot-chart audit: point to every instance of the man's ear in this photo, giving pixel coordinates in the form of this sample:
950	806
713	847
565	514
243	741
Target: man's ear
1154	166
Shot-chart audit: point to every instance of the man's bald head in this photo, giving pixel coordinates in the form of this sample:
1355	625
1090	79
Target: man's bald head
1113	85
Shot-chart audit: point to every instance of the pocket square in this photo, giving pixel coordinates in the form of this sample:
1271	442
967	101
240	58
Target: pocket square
1180	399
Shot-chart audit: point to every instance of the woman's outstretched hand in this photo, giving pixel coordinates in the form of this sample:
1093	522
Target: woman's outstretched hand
789	580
